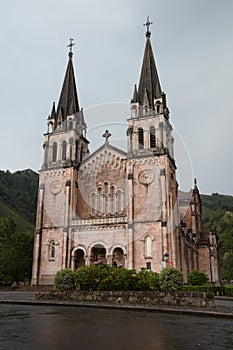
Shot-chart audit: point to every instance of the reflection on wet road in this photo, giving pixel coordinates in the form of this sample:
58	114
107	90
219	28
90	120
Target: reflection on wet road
52	327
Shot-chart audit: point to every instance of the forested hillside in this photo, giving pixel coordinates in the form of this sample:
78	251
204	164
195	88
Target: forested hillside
18	192
218	215
18	196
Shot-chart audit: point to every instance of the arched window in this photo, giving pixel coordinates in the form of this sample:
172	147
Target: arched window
76	149
52	250
100	200
113	199
70	125
64	145
70	145
93	203
106	197
81	153
54	155
120	201
148	243
140	138
152	137
158	107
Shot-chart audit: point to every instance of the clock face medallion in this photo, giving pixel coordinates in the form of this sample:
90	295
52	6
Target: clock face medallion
146	177
55	187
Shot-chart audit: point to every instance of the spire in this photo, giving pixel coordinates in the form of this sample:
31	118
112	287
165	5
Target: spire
53	112
68	101
149	79
135	95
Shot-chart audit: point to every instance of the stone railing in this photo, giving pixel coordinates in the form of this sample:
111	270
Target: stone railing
99	220
193	299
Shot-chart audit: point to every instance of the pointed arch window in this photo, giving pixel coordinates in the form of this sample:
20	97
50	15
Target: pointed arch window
54	154
148	246
152	137
140	138
64	147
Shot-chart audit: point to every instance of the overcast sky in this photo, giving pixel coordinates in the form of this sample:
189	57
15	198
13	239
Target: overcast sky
193	46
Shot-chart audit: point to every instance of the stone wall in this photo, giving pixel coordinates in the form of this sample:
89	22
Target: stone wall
193	299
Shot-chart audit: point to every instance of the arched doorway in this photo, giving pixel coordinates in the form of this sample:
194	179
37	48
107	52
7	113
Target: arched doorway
118	257
79	259
98	254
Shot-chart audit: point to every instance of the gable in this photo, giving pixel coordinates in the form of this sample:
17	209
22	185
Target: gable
107	156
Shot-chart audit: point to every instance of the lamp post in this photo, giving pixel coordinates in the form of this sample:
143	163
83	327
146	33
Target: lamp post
166	258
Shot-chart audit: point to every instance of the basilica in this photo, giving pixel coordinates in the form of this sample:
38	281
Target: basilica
114	206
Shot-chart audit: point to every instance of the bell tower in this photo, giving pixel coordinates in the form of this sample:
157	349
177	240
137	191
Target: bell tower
152	169
65	147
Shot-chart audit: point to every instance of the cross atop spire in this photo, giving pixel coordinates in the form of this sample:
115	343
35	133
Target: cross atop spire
147	24
71	44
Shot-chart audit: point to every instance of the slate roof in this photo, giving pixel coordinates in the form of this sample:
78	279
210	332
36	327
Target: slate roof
149	80
68	101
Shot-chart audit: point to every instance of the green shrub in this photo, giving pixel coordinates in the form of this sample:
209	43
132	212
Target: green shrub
170	280
64	280
104	277
89	277
147	280
197	278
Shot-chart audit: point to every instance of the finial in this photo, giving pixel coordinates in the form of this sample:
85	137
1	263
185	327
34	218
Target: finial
147	24
71	44
195	181
106	135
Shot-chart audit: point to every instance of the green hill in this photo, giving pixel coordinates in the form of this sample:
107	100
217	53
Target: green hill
18	196
22	225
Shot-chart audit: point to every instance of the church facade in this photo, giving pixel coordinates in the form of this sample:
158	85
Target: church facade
112	206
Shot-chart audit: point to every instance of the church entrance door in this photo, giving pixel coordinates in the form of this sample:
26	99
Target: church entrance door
98	254
79	259
118	257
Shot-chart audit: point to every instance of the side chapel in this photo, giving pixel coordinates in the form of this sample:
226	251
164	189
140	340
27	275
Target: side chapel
113	206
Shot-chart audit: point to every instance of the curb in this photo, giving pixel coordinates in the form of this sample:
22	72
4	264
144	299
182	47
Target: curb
123	308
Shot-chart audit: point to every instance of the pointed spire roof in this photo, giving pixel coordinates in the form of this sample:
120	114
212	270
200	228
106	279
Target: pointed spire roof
53	112
149	79
68	101
135	95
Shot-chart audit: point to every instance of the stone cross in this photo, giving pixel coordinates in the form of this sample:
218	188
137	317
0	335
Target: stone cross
106	135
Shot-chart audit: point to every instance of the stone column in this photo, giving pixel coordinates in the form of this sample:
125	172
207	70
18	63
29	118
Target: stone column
130	253
164	213
37	239
66	225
